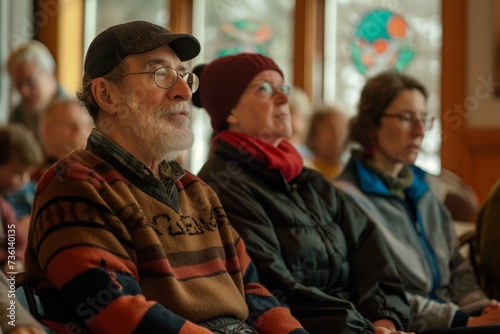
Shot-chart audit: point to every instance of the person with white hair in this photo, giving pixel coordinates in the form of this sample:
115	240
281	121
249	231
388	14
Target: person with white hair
32	70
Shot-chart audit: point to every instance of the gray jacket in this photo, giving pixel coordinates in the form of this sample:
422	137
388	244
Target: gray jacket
440	283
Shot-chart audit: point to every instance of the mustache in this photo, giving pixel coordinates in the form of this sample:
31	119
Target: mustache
178	108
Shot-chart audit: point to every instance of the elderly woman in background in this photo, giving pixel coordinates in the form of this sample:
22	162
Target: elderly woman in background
312	249
382	180
326	139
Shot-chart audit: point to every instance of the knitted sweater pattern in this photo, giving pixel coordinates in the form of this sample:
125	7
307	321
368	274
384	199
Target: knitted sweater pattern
111	258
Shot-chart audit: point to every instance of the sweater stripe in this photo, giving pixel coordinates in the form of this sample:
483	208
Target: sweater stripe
162	268
148	324
74	261
121	316
57	200
90	285
179	259
56	231
277	320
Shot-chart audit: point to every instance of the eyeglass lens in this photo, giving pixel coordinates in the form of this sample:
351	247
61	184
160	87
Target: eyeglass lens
166	77
267	89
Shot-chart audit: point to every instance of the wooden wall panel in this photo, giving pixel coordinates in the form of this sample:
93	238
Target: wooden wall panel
306	12
453	67
472	154
181	16
483	165
59	25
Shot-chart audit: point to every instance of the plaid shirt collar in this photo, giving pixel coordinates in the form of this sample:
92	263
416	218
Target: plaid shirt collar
170	171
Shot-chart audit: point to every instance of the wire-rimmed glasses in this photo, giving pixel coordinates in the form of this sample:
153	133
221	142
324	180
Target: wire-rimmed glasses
409	119
166	77
265	89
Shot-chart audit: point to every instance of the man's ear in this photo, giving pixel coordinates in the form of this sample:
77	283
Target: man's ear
104	95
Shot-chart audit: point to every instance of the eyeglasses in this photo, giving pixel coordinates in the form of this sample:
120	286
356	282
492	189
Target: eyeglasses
409	119
266	90
166	77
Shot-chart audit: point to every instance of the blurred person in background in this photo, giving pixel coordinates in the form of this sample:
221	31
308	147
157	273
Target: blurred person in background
300	111
19	156
326	140
32	70
65	126
487	244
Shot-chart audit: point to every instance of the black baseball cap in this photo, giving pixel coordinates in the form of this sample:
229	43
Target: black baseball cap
115	43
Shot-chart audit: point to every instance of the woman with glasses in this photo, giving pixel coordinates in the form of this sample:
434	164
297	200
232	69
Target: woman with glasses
310	247
382	180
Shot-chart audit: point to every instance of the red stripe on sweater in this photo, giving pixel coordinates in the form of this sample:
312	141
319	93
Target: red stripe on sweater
120	316
191	328
257	289
208	268
277	320
71	262
65	169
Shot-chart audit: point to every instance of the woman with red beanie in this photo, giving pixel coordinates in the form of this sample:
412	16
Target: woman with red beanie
313	250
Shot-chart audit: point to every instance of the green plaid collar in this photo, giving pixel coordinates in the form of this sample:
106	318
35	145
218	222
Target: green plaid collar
170	171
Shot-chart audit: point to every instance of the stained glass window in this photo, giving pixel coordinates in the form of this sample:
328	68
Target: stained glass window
233	26
363	37
101	14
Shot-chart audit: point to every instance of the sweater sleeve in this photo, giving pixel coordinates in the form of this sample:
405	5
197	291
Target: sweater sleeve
266	314
77	243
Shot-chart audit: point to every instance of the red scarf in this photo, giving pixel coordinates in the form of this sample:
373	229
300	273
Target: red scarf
284	158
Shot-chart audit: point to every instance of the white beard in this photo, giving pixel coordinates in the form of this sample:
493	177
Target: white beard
158	136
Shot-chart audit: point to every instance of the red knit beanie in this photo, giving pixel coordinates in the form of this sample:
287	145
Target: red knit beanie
223	81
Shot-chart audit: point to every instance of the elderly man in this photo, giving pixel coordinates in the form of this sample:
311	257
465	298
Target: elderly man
122	239
32	70
64	127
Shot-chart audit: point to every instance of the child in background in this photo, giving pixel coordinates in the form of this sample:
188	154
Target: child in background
19	156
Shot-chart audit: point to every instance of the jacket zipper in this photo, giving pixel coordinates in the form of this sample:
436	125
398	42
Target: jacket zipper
429	254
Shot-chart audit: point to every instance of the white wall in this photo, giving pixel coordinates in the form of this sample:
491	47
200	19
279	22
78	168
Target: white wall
482	106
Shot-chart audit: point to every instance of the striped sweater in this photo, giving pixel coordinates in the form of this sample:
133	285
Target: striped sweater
108	257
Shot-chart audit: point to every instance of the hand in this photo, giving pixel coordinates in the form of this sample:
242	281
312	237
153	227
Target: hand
490	307
385	323
383	330
28	330
386	326
490	316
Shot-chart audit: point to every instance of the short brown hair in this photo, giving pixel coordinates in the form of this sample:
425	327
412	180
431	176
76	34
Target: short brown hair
17	142
377	94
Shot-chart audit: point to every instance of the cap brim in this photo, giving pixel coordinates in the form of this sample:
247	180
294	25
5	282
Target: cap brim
186	47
